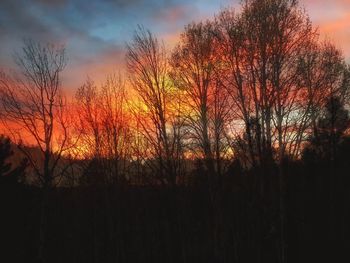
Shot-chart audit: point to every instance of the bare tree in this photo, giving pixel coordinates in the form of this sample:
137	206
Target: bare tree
116	130
90	118
34	103
322	73
103	126
193	72
233	74
268	65
148	68
278	33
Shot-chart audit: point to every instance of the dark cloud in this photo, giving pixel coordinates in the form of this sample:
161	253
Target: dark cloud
54	3
93	31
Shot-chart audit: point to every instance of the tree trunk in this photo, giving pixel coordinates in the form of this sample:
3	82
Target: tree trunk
43	224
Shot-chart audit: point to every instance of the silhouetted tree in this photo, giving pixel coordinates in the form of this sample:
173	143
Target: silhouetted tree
34	103
330	130
193	73
148	67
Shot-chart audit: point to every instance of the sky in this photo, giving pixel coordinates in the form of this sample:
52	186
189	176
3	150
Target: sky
95	32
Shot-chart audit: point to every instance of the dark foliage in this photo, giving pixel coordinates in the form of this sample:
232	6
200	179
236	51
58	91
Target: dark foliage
96	223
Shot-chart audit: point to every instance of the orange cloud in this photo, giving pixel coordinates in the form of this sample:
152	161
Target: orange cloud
333	20
97	68
338	31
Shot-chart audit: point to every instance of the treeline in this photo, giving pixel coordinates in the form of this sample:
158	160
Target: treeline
119	223
249	86
232	147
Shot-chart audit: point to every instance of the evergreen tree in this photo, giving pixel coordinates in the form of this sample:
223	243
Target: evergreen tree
8	174
330	131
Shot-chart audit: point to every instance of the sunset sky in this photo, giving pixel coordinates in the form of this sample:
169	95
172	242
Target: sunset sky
95	31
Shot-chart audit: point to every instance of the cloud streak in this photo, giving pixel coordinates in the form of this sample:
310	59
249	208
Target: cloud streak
95	31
